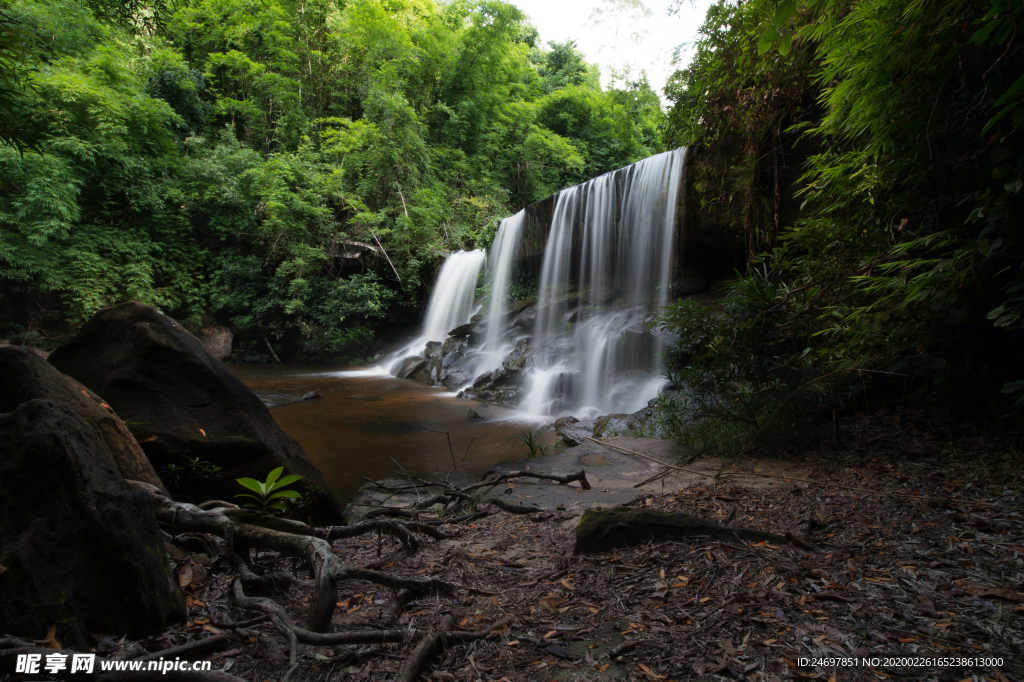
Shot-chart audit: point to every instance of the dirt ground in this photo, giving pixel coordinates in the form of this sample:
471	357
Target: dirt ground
877	588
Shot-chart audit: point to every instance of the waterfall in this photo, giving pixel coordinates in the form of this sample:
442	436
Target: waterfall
503	250
613	237
451	303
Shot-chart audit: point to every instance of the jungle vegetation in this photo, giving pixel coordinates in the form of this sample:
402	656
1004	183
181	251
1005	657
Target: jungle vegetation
869	157
215	158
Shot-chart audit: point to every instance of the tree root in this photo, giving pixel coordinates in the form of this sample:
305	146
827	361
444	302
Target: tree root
327	569
445	637
562	479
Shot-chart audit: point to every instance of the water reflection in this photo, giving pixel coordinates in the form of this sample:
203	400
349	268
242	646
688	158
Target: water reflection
365	417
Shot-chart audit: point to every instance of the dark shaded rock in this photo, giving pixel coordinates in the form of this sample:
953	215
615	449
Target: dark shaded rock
521	356
690	284
572	430
465	330
519	306
525	321
611	425
81	550
451	359
434	349
216	340
26	376
156	374
410	366
476	318
601	530
507	395
644	422
453	344
456	378
473	415
483	381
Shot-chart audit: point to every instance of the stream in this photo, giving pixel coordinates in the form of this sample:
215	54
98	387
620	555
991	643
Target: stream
365	417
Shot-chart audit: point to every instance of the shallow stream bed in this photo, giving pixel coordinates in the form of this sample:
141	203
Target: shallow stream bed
363	418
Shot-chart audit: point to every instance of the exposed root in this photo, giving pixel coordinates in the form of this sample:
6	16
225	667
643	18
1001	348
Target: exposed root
562	479
325	567
445	637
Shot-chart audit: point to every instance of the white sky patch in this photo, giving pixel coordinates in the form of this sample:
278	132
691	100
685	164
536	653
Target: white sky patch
661	33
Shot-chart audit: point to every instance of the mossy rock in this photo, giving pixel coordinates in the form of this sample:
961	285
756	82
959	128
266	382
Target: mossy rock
602	530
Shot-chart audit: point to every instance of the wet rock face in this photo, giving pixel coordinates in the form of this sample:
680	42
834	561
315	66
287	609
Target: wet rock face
409	367
612	425
26	376
435	349
153	372
80	549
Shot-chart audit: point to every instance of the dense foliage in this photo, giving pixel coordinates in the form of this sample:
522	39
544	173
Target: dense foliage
219	158
901	270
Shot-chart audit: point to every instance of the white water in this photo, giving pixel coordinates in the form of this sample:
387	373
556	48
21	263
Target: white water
615	233
503	250
451	303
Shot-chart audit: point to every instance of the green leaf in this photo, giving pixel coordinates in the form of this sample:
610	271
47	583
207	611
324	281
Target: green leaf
784	12
1012	386
785	42
286	493
287	480
274	475
764	44
252	484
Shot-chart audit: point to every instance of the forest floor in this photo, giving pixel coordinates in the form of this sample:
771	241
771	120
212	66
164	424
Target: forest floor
877	587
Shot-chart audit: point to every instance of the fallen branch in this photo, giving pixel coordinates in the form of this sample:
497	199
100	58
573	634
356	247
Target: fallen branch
561	479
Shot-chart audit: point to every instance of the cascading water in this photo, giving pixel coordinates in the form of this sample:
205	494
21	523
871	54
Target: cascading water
613	237
451	303
503	250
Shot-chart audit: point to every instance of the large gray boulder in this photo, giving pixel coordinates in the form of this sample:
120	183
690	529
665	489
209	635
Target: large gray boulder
79	548
157	375
25	376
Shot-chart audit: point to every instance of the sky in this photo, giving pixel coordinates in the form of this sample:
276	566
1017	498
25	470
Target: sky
659	34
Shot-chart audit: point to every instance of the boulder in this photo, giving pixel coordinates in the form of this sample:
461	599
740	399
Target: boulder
453	344
25	376
521	356
458	374
80	549
611	425
451	359
410	366
434	349
156	374
473	414
216	340
602	530
519	306
572	430
465	330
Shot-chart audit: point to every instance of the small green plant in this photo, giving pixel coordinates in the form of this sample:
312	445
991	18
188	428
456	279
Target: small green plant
189	469
270	494
530	445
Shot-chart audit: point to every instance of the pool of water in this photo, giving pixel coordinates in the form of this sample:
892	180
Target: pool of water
370	424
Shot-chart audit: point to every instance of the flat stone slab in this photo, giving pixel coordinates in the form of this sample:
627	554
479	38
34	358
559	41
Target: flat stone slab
611	473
